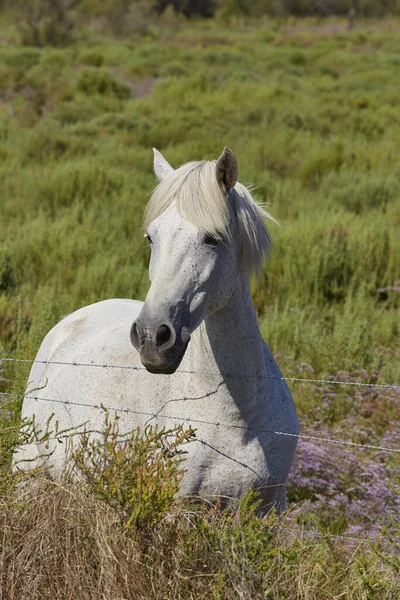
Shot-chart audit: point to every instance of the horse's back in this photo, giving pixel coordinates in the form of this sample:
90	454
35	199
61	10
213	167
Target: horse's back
89	319
74	367
81	339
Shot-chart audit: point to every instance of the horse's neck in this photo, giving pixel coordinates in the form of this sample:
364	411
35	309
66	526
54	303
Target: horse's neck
229	340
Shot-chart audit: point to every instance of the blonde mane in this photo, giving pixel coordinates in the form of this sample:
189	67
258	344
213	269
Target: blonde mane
200	200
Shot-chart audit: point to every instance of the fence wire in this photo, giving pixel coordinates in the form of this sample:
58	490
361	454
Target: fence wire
223	375
204	421
180	419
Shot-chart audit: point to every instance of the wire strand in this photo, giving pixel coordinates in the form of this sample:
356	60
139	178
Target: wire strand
230	375
216	424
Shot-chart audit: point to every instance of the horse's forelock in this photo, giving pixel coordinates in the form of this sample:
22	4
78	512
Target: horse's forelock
200	199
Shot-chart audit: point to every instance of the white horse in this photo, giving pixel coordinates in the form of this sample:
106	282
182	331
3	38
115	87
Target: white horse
197	337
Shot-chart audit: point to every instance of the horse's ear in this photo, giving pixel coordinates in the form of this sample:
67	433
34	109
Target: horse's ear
227	169
162	168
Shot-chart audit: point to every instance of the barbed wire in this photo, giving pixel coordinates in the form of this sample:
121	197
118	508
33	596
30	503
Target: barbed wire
300	532
202	421
189	420
9	394
332	536
67	434
193	372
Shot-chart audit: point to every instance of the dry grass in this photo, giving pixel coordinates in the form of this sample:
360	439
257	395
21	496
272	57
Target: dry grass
61	542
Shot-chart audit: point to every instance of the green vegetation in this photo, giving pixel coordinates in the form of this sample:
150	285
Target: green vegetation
313	119
119	533
42	22
312	112
139	475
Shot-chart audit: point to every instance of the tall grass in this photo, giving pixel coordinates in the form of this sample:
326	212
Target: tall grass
309	126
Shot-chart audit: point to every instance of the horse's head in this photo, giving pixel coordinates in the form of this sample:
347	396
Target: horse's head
202	232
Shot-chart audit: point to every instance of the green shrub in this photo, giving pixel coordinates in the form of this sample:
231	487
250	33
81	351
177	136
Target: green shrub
92	58
114	12
175	69
297	58
54	60
360	193
318	164
48	142
93	81
22	59
76	111
6	272
16	433
119	121
45	22
138	473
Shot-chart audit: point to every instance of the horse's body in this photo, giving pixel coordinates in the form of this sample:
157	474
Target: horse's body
224	382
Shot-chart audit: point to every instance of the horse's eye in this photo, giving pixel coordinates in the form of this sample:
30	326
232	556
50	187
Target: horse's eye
210	240
146	235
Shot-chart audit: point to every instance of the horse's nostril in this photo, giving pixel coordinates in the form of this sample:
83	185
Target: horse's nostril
135	336
163	335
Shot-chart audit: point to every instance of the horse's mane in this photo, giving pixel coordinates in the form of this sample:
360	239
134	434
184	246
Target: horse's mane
200	199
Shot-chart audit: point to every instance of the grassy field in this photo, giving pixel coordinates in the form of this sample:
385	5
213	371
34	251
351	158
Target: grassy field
312	113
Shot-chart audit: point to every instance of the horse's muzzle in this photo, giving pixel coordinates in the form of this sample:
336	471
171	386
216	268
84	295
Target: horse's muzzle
160	347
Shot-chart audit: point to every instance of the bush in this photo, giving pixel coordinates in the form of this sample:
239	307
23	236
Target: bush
93	81
45	22
92	58
189	8
318	164
136	473
115	12
360	194
300	8
6	272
